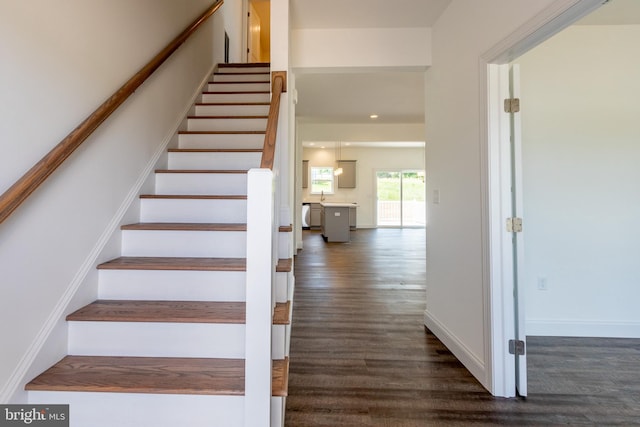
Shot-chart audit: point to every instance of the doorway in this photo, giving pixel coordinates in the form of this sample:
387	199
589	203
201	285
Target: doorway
258	30
400	198
563	173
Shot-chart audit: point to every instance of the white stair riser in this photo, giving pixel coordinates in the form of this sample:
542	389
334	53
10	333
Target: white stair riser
171	243
193	210
241	77
201	184
172	285
282	287
284	245
232	110
211	141
236	97
235	124
240	70
147	339
142	410
239	87
212	161
237	77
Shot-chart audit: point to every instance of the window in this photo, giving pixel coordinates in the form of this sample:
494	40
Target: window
321	180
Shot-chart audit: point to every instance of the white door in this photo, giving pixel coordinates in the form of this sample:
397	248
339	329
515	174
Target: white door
253	35
517	236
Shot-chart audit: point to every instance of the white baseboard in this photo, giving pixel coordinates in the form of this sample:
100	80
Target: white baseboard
17	378
474	364
582	328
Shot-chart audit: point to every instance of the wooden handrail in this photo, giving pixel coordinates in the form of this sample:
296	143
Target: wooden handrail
279	85
31	180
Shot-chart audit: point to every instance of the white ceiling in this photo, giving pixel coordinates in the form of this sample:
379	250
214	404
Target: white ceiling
396	96
615	12
366	13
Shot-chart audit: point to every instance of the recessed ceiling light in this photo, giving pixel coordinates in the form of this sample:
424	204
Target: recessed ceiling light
373	116
312	143
347	143
322	146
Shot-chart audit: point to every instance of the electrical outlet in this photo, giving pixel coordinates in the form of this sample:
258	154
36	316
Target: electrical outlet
542	283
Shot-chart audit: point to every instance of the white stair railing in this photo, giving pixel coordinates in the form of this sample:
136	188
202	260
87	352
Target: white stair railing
259	299
263	220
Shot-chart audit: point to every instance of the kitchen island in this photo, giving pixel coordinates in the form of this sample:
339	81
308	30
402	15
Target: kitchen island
335	224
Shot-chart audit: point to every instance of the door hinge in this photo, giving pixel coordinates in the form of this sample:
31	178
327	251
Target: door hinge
514	225
512	105
516	347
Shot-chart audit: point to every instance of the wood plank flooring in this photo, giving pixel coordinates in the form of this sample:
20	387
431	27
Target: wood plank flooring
360	355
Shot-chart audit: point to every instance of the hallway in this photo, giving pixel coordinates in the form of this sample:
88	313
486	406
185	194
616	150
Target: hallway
360	355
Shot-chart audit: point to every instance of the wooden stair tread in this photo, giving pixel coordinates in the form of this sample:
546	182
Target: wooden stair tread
171	263
280	377
171	312
204	104
242	74
221	132
208	171
215	150
227	117
160	311
156	375
239	82
284	265
193	196
243	64
185	226
282	313
285	228
252	92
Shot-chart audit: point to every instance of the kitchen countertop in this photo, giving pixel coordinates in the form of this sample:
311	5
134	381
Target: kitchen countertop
338	205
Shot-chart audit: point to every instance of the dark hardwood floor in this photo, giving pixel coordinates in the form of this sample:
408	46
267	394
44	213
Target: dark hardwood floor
360	355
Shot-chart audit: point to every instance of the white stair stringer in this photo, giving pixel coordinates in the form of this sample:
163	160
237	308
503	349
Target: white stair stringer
204	187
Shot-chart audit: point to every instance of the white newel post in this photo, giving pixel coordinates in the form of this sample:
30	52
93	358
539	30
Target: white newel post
260	268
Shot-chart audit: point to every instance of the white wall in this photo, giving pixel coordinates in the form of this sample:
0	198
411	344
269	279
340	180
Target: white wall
233	15
361	47
59	62
456	308
581	153
369	160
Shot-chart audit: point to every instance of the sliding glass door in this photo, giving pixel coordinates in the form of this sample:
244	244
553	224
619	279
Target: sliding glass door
400	198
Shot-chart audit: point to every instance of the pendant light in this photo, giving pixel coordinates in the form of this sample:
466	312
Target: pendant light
338	171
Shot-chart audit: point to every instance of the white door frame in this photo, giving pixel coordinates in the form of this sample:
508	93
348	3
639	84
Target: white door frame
496	194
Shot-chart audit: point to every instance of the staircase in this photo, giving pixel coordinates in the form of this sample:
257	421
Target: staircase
164	344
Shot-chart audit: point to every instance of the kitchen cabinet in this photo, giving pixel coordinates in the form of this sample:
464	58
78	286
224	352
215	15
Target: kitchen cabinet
305	173
335	222
352	218
315	219
348	177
